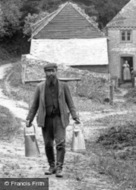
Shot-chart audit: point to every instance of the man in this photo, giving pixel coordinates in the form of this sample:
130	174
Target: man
52	100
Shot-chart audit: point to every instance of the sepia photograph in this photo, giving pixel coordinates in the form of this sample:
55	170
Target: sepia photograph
67	94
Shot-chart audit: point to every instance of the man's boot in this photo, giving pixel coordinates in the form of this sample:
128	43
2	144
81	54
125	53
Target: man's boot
60	159
51	161
52	170
59	172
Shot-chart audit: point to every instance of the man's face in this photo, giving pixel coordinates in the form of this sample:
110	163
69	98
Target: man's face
51	75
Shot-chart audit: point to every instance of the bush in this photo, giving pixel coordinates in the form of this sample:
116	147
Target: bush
116	150
4	55
8	124
131	95
119	137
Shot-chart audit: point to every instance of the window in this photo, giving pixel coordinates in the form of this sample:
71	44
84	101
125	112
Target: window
126	35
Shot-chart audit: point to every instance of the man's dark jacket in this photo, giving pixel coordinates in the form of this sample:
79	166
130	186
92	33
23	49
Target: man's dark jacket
64	99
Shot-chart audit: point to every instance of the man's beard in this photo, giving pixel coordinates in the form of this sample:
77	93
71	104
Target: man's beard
51	80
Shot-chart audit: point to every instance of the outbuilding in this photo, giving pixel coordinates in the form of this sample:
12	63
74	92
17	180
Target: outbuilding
69	36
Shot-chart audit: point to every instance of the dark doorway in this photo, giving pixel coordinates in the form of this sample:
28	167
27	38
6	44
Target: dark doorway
126	68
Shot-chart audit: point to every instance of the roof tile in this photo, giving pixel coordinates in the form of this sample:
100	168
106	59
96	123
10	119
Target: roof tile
69	21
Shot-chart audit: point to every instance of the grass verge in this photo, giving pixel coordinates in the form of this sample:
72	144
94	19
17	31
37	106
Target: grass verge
8	124
131	95
18	90
116	150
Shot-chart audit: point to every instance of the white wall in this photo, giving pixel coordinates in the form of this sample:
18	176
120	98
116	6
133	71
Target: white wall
117	49
71	51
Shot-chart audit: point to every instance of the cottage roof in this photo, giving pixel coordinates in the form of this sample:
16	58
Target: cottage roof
126	18
39	25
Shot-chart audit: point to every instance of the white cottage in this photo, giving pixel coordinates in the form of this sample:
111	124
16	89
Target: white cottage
121	31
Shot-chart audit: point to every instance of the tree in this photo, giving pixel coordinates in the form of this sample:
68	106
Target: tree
107	9
104	10
34	13
15	14
37	6
2	31
9	17
30	20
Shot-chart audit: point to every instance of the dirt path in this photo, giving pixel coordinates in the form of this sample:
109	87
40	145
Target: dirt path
13	162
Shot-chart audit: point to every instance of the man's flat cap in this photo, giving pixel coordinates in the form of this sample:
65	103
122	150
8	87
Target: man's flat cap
50	66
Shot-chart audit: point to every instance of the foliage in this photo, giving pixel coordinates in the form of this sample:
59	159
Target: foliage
101	11
116	150
38	6
122	172
35	10
8	124
119	137
131	95
30	20
105	10
10	17
50	5
4	55
17	14
120	134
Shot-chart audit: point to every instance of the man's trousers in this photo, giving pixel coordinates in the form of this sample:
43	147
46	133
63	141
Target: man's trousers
53	130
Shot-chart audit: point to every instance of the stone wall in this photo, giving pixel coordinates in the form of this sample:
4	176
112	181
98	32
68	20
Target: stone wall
93	68
92	85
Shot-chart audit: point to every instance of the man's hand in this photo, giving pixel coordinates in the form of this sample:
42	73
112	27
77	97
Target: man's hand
28	123
77	121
